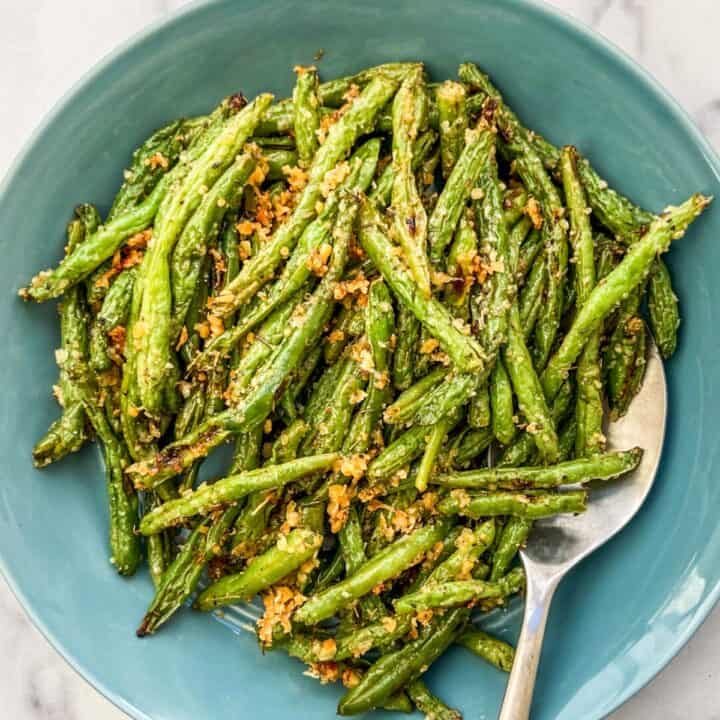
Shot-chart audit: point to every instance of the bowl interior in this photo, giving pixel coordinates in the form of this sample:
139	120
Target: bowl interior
619	618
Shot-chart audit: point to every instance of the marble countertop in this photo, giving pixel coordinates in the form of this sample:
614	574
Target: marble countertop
56	42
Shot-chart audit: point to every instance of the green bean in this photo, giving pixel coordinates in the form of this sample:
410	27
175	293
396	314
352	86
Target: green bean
463	350
514	203
280	117
230	489
397	669
306	110
284	142
399	702
495	651
135	427
352	544
532	297
100	246
387	564
407	447
114	312
404	408
126	551
529	251
350	324
288	400
158	154
527	387
580	231
446	397
358	120
188	255
554	232
246	454
471	544
604	466
296	272
333	93
501	402
438	434
182	577
332	424
133	208
278	161
473	443
512	538
251	533
462	252
524	379
89	216
286	445
625	353
255	400
322	392
452	121
96	284
353	550
479	413
459	502
521	449
382	191
502	286
159	556
286	556
177	208
380	327
663	309
257	403
450	594
612	209
409	220
408	334
404	496
67	434
379	634
589	438
479	143
330	572
266	341
566	440
627	275
427	703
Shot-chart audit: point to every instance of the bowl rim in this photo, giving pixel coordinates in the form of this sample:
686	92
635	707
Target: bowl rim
567	24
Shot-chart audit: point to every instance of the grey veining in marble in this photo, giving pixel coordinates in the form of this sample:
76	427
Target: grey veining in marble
56	42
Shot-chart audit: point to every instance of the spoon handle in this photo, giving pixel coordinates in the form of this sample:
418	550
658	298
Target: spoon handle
519	691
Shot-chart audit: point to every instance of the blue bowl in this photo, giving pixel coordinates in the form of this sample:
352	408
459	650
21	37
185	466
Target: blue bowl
625	612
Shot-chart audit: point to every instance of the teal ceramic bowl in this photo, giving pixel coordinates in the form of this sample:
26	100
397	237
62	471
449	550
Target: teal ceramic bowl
618	619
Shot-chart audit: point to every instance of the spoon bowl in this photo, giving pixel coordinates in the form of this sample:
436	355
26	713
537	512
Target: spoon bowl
559	543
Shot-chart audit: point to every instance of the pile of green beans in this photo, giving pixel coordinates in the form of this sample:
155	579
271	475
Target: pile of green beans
370	290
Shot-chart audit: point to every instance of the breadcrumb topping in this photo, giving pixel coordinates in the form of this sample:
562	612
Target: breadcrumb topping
317	262
129	255
334	177
533	210
280	603
338	507
429	346
325	672
357	286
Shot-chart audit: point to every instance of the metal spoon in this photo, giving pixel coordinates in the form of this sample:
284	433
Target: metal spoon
557	544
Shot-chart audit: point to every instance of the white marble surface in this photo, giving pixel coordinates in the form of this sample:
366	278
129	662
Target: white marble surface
56	42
